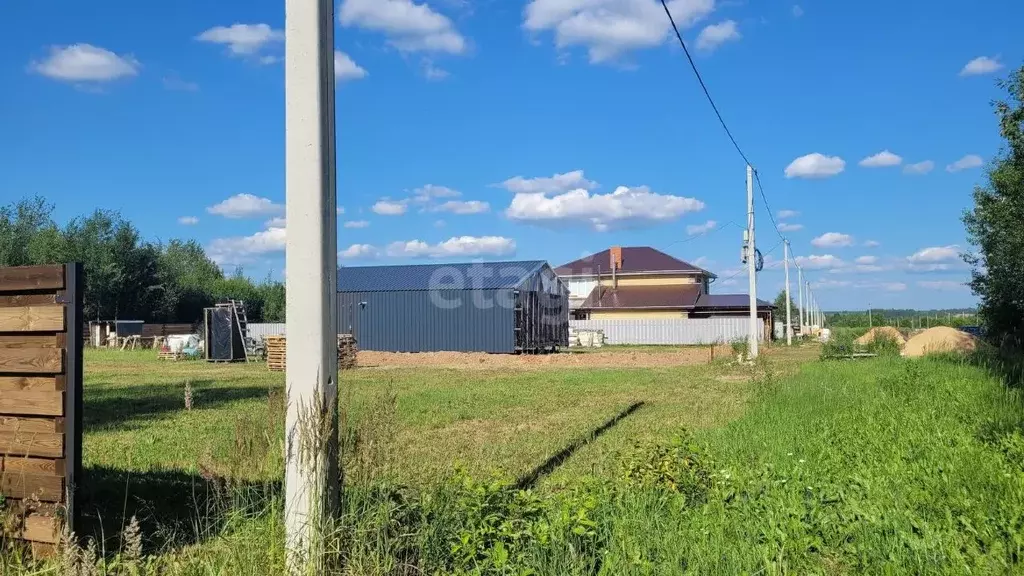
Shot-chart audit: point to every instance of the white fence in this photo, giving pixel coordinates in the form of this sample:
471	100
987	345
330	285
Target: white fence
259	331
676	331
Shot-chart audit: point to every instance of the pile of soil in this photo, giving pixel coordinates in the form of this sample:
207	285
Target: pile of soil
940	339
883	331
671	356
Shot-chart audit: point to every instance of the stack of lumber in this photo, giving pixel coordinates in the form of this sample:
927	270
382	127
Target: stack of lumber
347	351
275	353
40	401
277	359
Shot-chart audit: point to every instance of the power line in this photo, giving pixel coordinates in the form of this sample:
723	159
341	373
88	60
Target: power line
701	80
767	207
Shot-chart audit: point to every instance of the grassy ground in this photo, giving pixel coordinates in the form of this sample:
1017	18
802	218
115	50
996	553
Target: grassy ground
883	466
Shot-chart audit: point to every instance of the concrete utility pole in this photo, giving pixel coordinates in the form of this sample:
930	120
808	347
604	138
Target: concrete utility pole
800	287
751	253
311	424
789	327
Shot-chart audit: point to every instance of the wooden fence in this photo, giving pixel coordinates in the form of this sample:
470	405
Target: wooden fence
40	400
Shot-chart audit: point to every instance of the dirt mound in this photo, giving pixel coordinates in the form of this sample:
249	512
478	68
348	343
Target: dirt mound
593	358
883	331
940	339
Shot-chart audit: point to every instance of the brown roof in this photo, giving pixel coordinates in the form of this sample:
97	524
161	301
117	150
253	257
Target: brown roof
635	259
729	302
633	297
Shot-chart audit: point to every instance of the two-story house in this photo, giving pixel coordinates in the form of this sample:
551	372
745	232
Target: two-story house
639	282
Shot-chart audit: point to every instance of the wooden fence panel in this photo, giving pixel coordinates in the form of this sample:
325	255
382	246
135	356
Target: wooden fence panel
40	399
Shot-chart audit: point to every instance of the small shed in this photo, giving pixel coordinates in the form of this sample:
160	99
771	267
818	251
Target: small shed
496	307
110	332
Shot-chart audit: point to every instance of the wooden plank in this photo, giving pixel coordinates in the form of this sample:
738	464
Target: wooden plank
26	299
31	425
31	278
42	466
32	444
43	550
39	528
35	383
32	403
32	341
42	487
32	318
32	360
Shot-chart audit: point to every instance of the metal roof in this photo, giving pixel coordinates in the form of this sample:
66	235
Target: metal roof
729	301
635	260
461	276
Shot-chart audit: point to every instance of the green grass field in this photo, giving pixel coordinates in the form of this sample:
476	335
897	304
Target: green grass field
796	466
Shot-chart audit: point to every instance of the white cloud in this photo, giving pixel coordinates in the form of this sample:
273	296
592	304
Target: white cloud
872	244
867	260
919	168
460	246
345	68
277	222
85	63
245	206
356	224
440	223
462	207
409	26
881	160
789	227
549	185
610	28
819	262
241	249
624	206
942	285
783	214
815	166
359	251
965	163
243	39
188	220
175	82
981	65
832	240
341	209
704	228
829	284
935	254
893	286
797	11
715	35
386	207
432	191
433	72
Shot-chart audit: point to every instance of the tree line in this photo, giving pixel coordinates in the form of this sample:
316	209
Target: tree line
128	277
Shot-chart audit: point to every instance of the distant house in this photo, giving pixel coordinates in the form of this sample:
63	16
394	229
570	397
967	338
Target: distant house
640	282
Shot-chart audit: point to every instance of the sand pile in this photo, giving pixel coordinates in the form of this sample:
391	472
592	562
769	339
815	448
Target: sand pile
940	339
884	332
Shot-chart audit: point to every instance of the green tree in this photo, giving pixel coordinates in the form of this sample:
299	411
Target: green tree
188	275
780	305
20	224
994	225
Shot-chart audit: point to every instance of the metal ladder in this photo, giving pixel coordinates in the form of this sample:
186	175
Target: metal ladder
242	320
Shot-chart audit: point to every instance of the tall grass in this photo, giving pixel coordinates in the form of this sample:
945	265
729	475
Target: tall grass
882	466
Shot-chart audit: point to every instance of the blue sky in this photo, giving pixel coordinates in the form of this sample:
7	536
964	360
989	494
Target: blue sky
542	129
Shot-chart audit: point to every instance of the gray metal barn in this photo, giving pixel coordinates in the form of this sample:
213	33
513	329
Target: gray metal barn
498	307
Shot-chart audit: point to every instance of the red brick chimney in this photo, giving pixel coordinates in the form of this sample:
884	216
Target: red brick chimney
615	255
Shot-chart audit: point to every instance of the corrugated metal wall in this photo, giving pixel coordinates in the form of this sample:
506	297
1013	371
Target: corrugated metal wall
430	320
678	331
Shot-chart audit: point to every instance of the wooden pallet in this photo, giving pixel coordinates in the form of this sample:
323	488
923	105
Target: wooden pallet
168	355
277	360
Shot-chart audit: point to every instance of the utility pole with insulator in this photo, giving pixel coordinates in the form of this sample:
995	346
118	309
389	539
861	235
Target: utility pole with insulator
750	255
